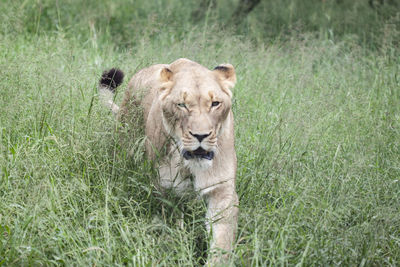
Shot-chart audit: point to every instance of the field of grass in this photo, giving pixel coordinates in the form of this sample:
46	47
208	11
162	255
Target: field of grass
317	136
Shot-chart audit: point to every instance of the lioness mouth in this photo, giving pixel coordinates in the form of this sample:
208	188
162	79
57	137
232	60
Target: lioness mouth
199	153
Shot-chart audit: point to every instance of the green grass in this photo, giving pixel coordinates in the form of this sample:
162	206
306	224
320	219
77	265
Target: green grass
317	137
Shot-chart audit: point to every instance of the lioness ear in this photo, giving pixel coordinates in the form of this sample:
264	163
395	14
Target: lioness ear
165	75
165	82
226	75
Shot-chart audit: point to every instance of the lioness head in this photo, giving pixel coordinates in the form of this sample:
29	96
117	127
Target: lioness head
195	104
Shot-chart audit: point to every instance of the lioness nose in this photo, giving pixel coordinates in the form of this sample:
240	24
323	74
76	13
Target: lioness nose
200	137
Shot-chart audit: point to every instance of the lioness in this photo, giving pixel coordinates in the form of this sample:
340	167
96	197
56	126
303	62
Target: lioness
187	111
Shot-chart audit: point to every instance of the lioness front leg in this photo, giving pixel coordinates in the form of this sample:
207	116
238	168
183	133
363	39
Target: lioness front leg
222	215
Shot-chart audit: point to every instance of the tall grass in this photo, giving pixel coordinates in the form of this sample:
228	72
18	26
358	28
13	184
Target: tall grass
317	137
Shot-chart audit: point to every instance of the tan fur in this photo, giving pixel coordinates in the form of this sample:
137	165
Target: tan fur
159	89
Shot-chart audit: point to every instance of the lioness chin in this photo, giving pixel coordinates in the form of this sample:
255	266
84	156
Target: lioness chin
187	110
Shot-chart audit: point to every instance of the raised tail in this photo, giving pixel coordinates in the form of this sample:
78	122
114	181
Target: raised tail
109	81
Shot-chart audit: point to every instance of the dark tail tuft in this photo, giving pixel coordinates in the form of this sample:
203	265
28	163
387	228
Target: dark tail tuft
111	79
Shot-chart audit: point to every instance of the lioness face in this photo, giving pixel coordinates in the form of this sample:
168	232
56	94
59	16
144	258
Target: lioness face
194	109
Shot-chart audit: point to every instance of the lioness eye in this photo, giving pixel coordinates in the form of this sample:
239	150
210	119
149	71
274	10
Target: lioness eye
215	103
182	105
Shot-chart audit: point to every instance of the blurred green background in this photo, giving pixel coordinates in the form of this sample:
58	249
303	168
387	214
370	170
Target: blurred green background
127	22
